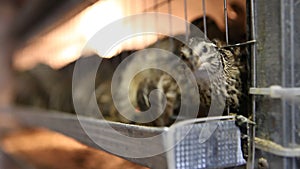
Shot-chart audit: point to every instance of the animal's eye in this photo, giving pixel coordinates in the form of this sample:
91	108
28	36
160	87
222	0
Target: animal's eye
204	49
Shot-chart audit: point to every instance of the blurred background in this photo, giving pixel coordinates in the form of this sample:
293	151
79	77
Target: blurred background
54	32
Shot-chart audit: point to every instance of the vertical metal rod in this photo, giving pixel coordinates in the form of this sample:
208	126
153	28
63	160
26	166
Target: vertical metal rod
292	44
186	21
170	25
293	108
251	144
156	19
292	61
226	20
226	33
285	117
170	16
283	83
204	18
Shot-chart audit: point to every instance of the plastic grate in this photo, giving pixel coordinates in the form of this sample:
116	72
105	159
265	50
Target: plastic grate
221	149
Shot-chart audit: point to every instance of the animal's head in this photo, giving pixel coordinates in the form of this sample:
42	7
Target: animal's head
202	56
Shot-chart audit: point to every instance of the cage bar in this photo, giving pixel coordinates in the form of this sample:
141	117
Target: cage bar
186	20
226	21
204	18
276	63
68	124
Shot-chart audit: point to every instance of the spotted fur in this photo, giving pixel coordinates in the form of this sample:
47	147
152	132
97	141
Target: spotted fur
222	66
217	73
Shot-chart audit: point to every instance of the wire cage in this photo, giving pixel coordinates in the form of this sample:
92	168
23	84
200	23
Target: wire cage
222	150
270	32
275	70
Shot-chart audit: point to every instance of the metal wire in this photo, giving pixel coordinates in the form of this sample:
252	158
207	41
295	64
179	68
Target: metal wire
204	18
226	20
285	118
240	44
170	16
251	131
226	33
170	24
293	123
186	21
156	18
293	113
288	78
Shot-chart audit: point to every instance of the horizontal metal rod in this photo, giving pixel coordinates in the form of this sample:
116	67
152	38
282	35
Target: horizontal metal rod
239	44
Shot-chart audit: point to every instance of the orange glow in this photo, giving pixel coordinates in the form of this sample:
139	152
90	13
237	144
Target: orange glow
64	44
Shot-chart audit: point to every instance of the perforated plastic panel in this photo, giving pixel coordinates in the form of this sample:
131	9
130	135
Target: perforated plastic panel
217	146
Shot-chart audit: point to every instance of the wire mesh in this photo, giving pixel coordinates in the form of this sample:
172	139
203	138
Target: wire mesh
275	62
221	142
